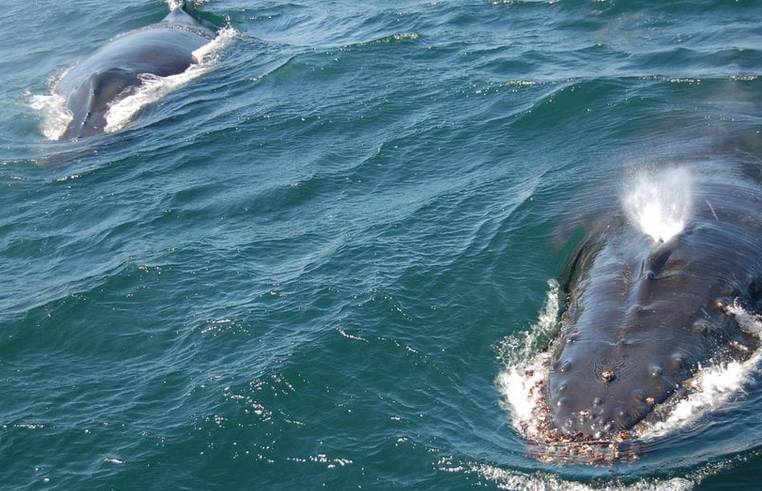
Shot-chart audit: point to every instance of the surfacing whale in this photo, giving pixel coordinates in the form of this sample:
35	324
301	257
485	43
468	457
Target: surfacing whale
642	316
115	70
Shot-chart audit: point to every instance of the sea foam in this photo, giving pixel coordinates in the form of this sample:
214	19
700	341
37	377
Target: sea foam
54	115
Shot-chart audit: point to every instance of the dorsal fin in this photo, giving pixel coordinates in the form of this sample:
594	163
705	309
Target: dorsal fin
93	99
179	15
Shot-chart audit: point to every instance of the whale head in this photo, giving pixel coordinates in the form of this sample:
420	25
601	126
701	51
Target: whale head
638	323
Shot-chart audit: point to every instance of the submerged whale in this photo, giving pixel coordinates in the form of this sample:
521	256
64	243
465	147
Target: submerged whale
641	316
113	71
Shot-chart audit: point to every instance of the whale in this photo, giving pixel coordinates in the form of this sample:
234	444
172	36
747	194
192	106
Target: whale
118	68
641	316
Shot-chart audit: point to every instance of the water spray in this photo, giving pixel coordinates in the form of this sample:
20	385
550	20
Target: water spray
660	203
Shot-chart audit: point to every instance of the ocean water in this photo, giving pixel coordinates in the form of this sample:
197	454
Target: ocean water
313	263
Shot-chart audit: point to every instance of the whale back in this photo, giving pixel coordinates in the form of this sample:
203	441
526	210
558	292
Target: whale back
162	49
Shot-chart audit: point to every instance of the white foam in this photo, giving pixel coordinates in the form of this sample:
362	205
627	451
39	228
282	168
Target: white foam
54	115
508	479
173	4
714	385
544	481
660	203
350	336
153	87
526	367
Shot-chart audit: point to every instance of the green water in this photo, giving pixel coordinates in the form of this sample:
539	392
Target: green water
297	270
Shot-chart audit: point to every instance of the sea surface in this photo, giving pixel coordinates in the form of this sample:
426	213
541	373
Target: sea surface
312	264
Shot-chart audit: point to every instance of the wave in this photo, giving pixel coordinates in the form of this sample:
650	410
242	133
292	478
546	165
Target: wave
541	481
545	481
391	38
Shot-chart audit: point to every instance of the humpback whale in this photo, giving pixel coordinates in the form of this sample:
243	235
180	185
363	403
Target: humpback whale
641	316
116	69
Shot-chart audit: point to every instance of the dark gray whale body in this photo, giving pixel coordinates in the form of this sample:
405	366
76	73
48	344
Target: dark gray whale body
161	49
640	318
